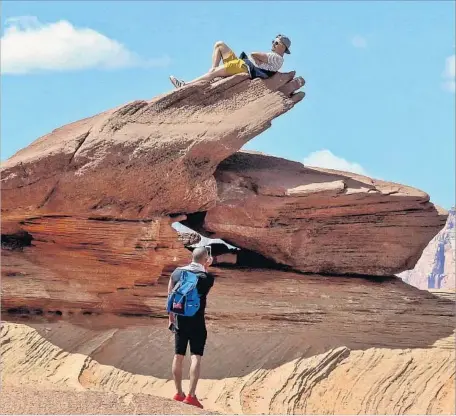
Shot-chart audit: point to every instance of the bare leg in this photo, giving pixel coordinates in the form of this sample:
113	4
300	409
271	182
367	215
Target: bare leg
177	372
195	369
209	76
221	51
216	58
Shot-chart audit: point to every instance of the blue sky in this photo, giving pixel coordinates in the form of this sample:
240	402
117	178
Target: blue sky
380	75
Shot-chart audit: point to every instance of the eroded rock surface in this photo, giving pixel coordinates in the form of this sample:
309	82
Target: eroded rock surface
86	265
145	158
189	239
318	220
351	347
84	208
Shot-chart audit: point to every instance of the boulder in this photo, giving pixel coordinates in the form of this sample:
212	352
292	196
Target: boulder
319	220
145	158
189	239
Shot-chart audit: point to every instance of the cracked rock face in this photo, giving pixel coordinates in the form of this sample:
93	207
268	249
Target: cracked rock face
318	220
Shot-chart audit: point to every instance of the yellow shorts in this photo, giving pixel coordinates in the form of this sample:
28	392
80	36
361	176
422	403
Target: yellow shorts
233	65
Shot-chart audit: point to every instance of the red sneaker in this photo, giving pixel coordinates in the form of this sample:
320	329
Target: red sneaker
179	397
193	401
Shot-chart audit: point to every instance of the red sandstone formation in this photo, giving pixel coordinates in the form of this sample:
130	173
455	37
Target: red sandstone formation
86	209
189	239
91	265
317	220
146	158
86	230
279	343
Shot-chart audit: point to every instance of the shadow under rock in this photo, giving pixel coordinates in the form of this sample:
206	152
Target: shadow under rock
266	318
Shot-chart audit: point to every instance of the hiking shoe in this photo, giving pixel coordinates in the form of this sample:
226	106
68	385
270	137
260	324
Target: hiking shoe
176	82
179	397
193	401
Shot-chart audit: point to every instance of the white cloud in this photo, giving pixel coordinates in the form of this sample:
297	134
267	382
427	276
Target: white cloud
359	41
449	74
325	159
29	46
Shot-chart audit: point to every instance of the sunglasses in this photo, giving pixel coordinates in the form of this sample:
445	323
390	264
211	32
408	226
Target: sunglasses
276	42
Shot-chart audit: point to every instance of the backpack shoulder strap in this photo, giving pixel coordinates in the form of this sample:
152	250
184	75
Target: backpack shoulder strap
187	282
189	276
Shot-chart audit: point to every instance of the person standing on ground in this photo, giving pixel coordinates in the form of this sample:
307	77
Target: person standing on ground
191	329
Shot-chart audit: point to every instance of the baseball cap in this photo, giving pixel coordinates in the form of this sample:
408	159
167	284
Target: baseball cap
286	41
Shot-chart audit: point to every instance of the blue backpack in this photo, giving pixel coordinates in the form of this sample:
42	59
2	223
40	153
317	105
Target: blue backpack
184	300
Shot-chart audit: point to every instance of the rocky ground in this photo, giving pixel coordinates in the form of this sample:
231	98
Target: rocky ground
30	400
330	354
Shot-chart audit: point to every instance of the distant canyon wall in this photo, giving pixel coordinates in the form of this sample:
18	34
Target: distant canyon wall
436	267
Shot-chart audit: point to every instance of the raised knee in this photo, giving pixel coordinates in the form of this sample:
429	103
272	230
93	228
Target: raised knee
219	44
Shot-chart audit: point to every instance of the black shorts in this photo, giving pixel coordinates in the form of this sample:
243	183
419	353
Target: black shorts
190	331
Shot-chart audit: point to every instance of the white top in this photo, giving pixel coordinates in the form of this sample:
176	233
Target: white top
275	62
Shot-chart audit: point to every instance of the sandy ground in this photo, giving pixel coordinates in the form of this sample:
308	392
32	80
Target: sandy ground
339	381
28	400
357	348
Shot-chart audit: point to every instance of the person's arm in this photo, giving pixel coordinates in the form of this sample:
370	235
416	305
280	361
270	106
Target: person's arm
259	57
173	279
205	284
170	284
